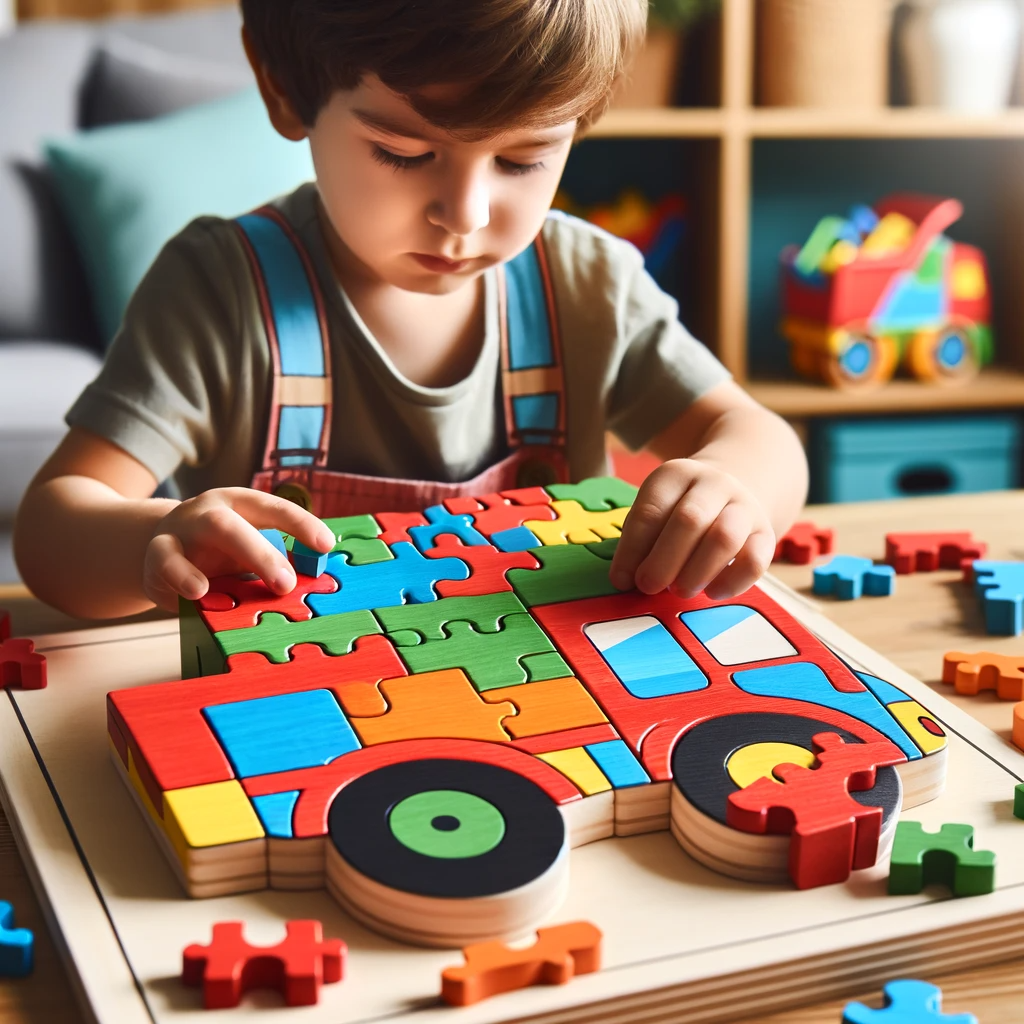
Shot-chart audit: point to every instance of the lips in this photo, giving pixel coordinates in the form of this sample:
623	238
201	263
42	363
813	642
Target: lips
440	265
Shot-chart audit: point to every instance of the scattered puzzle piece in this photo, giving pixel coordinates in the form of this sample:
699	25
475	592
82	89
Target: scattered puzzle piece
16	946
848	577
925	552
832	833
21	666
906	1002
1000	585
575	525
803	543
596	494
234	602
560	953
487	566
984	670
296	966
946	857
308	562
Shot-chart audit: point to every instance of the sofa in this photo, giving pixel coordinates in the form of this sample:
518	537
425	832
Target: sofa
57	77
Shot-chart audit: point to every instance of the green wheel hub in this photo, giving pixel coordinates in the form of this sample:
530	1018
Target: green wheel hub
447	823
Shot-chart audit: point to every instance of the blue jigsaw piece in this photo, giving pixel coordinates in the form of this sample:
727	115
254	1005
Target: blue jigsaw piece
16	945
275	811
276	538
848	577
408	578
443	521
1000	585
517	538
906	1002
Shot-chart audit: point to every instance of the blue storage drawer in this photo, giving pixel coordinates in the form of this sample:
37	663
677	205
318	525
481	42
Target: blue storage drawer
869	460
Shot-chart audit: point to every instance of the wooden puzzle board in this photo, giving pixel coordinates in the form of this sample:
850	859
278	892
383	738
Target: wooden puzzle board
674	931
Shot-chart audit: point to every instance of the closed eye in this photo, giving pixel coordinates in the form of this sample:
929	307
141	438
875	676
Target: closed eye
389	159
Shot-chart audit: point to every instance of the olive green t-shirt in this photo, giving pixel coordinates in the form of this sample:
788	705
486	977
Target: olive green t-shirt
186	385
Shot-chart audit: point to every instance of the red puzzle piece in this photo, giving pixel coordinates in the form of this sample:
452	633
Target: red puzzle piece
804	542
20	665
495	512
832	834
297	965
234	602
394	526
925	552
487	566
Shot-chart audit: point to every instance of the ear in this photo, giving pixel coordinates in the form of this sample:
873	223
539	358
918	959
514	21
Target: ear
279	107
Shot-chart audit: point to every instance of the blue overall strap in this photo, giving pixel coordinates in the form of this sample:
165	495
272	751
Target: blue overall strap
291	302
531	352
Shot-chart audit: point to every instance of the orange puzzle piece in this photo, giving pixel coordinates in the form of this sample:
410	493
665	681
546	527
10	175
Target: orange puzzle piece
985	670
548	706
560	953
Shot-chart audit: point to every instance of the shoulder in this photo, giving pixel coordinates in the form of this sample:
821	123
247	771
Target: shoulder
584	250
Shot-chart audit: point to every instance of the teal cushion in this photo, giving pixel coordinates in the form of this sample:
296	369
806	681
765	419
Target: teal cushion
126	189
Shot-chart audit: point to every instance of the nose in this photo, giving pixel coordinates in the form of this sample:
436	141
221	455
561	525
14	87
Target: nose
462	203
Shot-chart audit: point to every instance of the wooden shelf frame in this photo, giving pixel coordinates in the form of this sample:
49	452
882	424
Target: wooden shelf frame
732	130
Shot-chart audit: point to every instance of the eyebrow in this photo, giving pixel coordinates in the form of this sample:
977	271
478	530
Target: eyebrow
394	127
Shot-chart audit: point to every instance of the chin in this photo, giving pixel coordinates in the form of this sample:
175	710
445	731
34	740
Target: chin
433	284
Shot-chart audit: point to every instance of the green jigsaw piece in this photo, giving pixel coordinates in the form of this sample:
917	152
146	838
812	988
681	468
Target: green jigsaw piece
568	572
598	494
490	660
485	612
200	653
1018	798
946	857
357	536
273	635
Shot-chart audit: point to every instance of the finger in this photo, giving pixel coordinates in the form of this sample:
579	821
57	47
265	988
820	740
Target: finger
749	566
686	525
223	529
168	574
266	511
722	542
645	521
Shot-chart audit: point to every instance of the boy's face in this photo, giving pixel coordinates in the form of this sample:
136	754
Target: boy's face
417	209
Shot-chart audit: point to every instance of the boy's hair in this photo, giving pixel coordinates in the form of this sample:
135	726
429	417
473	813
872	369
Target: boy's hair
526	63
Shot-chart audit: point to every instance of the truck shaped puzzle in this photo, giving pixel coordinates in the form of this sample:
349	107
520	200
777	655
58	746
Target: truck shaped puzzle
463	696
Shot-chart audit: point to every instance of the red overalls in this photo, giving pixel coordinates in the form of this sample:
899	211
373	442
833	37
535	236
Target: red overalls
295	456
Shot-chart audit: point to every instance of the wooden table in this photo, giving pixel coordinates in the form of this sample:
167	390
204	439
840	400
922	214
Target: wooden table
930	613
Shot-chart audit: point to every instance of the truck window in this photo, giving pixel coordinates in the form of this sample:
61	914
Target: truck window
735	634
645	657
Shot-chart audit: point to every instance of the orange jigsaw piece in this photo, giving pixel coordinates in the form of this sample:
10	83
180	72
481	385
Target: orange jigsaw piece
985	670
926	552
832	834
559	954
804	542
487	566
20	665
550	705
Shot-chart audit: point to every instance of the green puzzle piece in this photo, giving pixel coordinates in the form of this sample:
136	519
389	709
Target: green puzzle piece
358	537
946	857
484	612
598	494
200	654
274	634
568	572
519	652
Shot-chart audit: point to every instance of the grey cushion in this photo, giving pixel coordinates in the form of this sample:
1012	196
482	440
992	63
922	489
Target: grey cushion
38	382
42	285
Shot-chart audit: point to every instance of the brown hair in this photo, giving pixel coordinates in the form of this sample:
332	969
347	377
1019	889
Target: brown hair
529	63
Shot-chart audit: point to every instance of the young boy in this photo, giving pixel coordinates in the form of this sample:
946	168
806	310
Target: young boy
413	326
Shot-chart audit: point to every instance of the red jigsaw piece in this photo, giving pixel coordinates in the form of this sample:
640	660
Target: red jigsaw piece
832	834
505	510
234	602
20	665
296	966
804	542
926	552
5	624
487	566
394	526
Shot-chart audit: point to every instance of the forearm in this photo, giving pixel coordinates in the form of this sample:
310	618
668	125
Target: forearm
763	452
80	546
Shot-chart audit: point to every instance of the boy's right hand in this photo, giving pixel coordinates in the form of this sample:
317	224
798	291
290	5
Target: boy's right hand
217	532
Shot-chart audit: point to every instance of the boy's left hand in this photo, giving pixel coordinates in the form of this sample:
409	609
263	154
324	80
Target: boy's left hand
689	521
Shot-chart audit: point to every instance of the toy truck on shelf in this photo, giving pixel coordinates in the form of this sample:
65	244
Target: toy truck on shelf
432	763
886	287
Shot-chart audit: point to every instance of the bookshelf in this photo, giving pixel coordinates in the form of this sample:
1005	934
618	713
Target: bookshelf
728	139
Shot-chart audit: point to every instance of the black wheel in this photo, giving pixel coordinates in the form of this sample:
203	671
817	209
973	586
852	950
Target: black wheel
460	829
702	759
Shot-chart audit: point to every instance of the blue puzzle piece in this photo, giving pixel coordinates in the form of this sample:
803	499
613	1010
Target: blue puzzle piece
618	763
518	538
848	576
443	521
279	734
275	811
1000	585
276	538
307	561
16	945
907	1002
408	578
